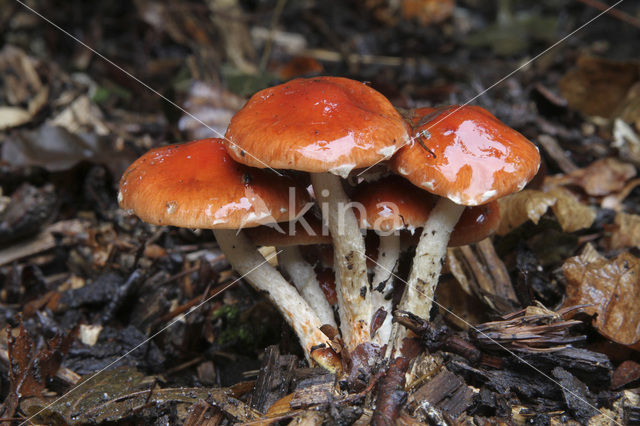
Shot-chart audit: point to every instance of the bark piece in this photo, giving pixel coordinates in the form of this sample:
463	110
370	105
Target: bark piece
446	391
273	380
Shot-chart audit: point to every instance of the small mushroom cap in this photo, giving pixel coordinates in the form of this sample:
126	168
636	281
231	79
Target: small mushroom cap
474	158
322	124
197	185
393	204
291	233
475	224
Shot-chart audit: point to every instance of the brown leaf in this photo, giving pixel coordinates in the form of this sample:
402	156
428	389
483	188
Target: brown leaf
516	209
600	178
571	213
625	231
209	104
612	286
127	391
629	108
531	204
597	86
627	141
615	201
30	370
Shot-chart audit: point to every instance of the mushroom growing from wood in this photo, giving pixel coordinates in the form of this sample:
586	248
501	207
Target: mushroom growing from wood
467	157
326	126
197	185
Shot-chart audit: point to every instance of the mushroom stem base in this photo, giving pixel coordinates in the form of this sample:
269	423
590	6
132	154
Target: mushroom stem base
247	260
427	262
352	285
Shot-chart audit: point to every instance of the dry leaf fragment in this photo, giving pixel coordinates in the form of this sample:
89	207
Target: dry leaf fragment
600	178
614	201
627	141
571	213
517	208
30	369
612	287
625	231
597	86
629	108
209	104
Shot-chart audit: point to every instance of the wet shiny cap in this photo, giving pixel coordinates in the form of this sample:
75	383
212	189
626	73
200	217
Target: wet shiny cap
466	155
322	124
392	204
197	185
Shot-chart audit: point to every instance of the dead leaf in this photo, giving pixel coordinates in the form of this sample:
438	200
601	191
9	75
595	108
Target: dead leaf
597	86
614	201
209	104
15	116
627	141
629	108
29	370
56	149
570	212
625	231
21	90
612	287
81	116
517	208
116	394
600	178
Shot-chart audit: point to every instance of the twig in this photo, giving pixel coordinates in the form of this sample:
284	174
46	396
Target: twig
616	13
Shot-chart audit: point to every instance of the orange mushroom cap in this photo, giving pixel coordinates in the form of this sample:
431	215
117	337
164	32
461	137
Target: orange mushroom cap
392	204
474	158
197	185
316	125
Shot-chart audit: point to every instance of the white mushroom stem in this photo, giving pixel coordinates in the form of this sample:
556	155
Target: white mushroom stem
304	278
427	262
382	284
247	260
354	299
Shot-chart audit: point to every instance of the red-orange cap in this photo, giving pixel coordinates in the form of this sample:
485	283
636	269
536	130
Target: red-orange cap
197	185
470	157
283	235
321	124
391	204
475	224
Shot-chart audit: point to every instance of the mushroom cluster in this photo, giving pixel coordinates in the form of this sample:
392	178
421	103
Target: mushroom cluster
443	171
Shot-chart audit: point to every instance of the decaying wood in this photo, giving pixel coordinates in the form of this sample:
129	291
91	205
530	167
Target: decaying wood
314	394
273	379
446	391
480	271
